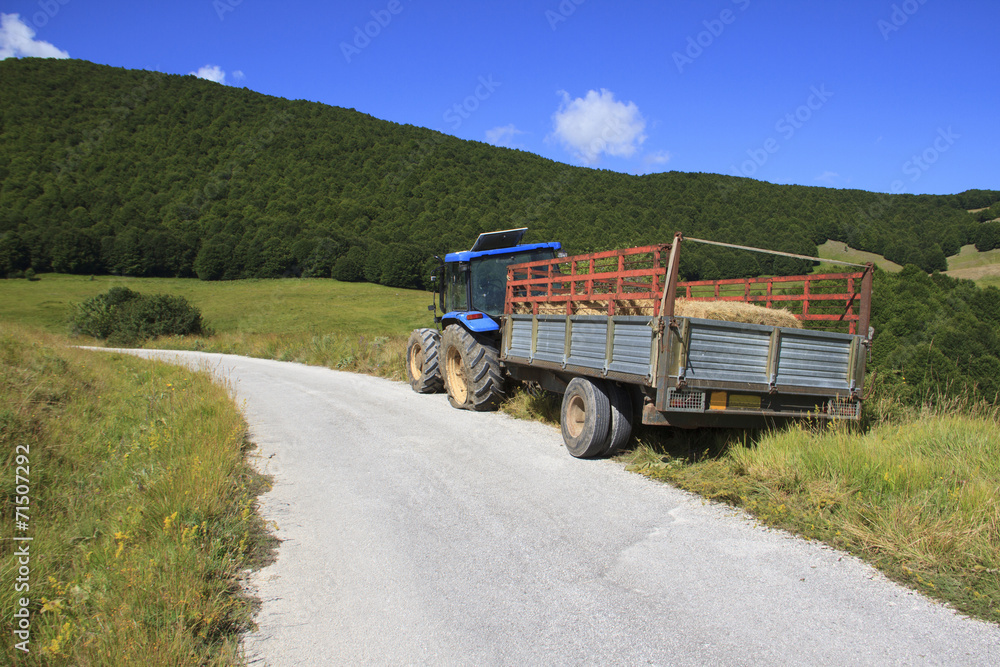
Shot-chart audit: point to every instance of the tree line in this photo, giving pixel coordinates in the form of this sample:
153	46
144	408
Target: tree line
106	170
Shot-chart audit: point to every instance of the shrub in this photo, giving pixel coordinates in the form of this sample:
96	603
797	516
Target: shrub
124	317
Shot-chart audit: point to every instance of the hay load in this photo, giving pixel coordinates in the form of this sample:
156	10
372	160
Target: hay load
728	311
736	311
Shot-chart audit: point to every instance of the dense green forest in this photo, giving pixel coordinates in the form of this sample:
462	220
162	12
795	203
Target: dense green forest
935	335
106	170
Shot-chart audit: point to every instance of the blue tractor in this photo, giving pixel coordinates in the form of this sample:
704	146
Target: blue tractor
463	357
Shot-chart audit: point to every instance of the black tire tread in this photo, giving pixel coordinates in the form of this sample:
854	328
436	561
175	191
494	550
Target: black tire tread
621	419
592	441
481	362
431	380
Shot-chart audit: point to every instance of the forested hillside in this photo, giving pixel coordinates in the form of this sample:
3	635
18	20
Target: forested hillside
146	174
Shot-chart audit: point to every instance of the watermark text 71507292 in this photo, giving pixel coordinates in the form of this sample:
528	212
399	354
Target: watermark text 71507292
22	547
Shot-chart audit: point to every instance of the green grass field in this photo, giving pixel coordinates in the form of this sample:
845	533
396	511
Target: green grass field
299	306
842	253
969	263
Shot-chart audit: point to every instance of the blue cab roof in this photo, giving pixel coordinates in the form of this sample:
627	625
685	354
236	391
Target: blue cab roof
469	255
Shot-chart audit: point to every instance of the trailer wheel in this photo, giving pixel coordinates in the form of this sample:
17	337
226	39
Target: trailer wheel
585	418
472	375
621	419
423	368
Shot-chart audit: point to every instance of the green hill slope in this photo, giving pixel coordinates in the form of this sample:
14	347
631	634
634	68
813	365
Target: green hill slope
141	173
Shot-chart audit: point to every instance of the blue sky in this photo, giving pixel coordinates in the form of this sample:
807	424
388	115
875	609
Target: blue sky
881	95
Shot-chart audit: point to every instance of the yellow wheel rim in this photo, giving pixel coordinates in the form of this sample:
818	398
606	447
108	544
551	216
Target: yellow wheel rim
416	362
456	377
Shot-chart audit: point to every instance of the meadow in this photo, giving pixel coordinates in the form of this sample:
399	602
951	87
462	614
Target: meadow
239	307
981	267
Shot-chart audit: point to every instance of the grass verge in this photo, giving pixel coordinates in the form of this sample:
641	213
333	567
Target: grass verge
140	506
917	497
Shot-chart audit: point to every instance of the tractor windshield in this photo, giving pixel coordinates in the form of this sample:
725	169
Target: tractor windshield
489	278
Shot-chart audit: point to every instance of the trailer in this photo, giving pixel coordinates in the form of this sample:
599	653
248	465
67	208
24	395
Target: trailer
606	331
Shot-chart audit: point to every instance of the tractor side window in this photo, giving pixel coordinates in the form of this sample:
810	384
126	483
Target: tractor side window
456	296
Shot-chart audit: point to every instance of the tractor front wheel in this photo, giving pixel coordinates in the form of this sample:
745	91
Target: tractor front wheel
423	367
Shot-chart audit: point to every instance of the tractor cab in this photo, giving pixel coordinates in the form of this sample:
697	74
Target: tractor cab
474	282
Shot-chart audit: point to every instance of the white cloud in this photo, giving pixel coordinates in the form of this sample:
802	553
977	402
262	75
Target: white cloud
656	159
830	177
18	39
238	75
596	124
503	136
211	73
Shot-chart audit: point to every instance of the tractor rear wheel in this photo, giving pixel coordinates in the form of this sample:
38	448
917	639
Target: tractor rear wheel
423	367
472	374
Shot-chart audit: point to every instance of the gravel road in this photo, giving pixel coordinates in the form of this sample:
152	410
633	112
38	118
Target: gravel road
413	533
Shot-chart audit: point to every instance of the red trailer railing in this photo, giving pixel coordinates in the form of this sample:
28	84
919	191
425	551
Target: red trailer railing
631	282
596	283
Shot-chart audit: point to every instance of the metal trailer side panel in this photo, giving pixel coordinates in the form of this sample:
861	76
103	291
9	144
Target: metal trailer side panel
620	347
728	355
823	362
720	351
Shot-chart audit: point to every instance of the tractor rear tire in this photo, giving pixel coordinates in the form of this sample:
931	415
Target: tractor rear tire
472	374
621	419
423	366
585	418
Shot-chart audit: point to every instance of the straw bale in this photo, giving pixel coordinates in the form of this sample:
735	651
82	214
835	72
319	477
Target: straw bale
729	311
736	311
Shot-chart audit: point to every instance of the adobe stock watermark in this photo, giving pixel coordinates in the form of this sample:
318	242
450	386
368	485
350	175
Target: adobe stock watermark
363	36
22	584
918	165
787	126
49	9
714	28
459	112
901	13
221	7
561	13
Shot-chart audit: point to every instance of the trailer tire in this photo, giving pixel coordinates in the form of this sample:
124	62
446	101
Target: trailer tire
423	366
585	418
621	419
472	374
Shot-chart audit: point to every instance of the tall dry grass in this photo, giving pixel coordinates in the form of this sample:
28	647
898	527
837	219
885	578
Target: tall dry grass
142	508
